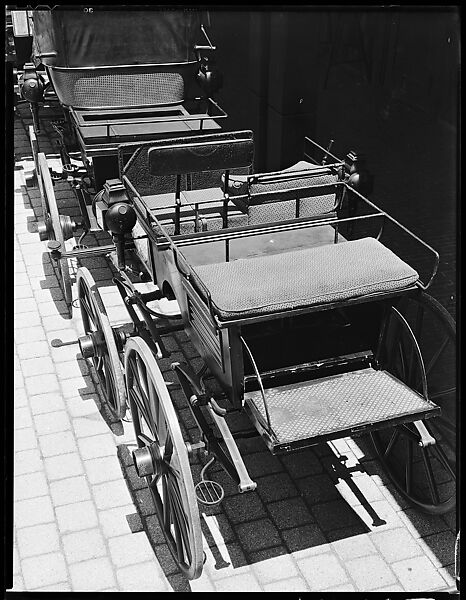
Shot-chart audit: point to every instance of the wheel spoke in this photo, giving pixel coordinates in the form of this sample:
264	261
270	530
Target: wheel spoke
180	517
443	459
430	476
140	404
409	466
165	504
391	443
437	355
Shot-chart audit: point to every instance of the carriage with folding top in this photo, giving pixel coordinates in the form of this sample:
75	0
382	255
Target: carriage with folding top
306	302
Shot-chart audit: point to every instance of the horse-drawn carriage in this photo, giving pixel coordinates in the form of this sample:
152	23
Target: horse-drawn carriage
306	321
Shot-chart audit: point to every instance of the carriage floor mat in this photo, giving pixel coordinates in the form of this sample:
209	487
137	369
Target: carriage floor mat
335	406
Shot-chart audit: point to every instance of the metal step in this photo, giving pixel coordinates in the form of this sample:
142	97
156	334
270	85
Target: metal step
307	413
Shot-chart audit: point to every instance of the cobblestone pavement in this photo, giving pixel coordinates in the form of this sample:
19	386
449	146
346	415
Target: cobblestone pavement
323	519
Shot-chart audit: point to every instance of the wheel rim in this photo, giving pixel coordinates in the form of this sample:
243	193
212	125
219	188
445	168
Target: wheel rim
107	363
424	475
49	200
156	425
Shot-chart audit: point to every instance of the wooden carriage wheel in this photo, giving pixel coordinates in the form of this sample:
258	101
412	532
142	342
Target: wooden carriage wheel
159	438
99	344
56	232
424	475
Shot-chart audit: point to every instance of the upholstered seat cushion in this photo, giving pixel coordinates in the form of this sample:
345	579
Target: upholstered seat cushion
301	278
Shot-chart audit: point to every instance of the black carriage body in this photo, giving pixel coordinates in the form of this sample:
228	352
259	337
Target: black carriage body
291	343
124	75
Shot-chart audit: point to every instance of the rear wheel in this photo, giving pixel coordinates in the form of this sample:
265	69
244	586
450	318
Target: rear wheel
419	349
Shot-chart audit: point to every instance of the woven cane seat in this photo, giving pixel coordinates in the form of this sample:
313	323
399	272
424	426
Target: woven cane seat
302	278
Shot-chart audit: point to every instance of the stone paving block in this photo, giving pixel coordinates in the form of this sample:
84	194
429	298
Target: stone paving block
418	574
52	422
245	507
31	334
16	562
273	564
48	296
322	571
290	513
27	461
143	577
318	488
370	573
395	544
71	370
92	575
106	468
24	439
22	306
225	560
30	485
22	291
83	545
18	380
130	549
165	559
44	570
78	385
37	366
355	546
359	490
46	403
22	418
89	425
262	462
257	535
38	540
67	491
53	307
439	547
245	582
276	487
33	349
334	515
217	529
154	531
54	444
421	525
76	516
41	384
111	494
63	466
33	511
294	584
144	502
96	446
308	538
115	521
378	515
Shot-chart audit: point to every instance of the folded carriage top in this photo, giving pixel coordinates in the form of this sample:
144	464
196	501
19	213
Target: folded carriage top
71	36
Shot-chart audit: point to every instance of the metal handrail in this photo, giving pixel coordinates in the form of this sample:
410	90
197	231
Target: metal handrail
259	380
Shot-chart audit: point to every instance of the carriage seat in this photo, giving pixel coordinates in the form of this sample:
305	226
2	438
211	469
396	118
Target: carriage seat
263	208
303	278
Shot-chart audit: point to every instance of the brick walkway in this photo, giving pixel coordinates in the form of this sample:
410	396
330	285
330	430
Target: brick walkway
323	519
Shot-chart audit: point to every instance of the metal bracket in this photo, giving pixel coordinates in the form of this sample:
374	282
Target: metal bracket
246	484
426	438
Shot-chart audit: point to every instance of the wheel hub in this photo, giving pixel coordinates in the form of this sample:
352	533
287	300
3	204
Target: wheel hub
148	460
92	345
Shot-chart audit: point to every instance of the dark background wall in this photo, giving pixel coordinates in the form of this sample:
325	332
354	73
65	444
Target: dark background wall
381	81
